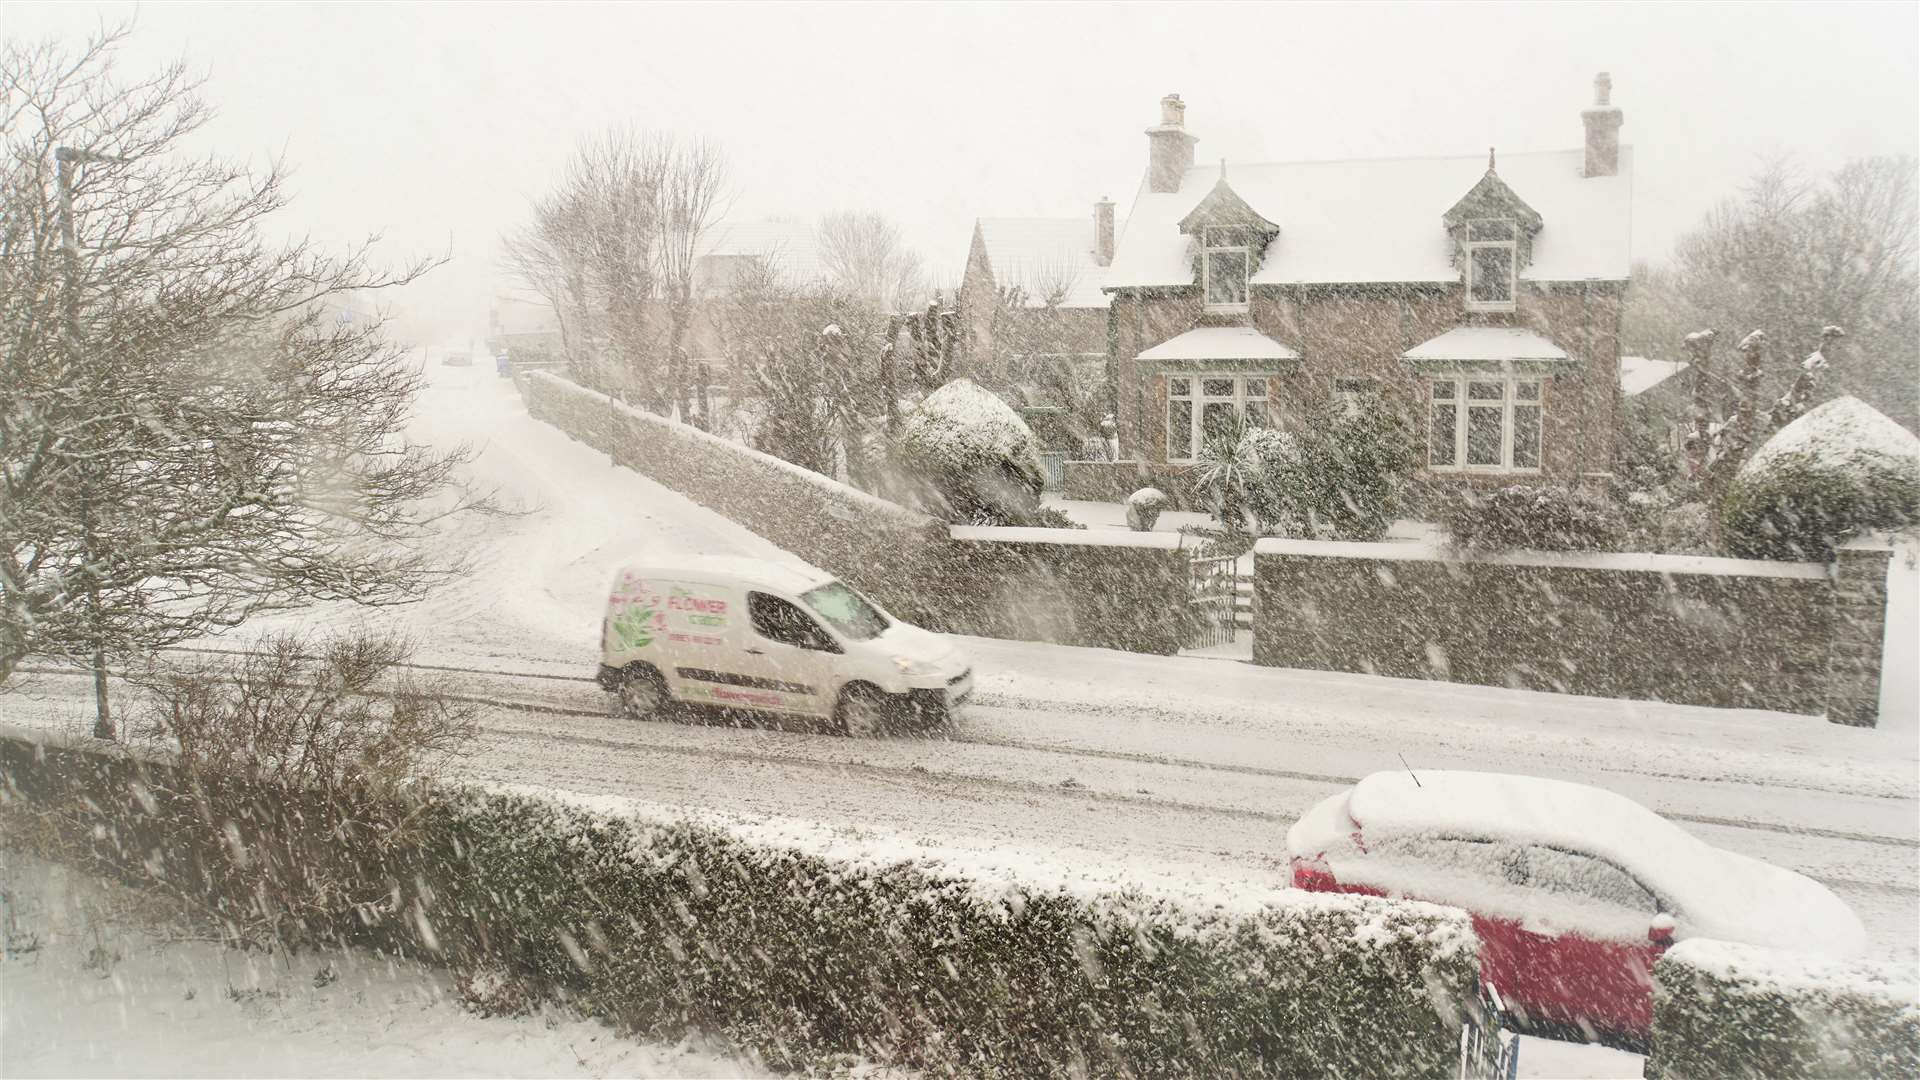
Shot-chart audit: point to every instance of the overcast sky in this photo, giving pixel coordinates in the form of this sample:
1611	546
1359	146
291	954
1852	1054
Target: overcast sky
434	124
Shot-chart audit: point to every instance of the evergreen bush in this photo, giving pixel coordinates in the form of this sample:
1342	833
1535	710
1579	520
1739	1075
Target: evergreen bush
1537	518
665	927
1839	469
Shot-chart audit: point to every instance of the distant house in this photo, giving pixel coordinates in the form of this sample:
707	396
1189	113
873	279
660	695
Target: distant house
524	329
1033	305
1479	296
1650	390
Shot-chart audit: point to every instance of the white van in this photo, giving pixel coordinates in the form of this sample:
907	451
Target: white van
746	634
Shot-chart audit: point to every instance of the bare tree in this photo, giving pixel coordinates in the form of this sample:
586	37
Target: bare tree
865	257
187	438
1791	256
691	180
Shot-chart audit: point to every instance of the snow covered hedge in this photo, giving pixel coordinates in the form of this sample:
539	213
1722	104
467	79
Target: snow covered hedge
1841	468
1743	1013
976	459
805	958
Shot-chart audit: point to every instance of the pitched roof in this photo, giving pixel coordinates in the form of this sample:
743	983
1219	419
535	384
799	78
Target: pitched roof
1220	343
1380	220
1483	344
1037	252
1639	374
791	247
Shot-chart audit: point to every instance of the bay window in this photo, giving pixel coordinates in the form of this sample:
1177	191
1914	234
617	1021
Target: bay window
1201	408
1484	423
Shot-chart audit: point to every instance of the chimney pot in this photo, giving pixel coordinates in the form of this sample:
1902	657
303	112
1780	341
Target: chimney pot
1170	148
1603	130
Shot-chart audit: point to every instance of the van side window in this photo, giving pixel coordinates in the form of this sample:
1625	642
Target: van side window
777	620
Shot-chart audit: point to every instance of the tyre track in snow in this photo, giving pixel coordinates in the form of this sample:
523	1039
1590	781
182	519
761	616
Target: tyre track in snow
1043	707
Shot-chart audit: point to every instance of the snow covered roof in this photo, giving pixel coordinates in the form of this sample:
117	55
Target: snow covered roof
1715	893
1380	220
1639	374
1036	253
1485	344
791	247
1220	343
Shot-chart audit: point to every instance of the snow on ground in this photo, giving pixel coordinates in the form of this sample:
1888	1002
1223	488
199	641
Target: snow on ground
1086	756
88	987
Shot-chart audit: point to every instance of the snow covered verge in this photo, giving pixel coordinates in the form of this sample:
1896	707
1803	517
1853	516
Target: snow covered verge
1721	1009
100	980
663	927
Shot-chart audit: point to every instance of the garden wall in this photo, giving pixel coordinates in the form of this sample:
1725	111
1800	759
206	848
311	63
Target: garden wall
1740	1013
1796	637
808	959
1066	586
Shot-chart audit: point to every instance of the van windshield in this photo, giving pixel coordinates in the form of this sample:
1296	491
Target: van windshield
848	611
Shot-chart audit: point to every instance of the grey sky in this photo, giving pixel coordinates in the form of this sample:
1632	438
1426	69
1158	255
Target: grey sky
433	124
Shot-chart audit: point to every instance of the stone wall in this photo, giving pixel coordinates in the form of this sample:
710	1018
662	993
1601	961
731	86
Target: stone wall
1068	586
1795	637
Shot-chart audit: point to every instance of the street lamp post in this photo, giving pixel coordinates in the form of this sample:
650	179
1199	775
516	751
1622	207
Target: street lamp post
66	159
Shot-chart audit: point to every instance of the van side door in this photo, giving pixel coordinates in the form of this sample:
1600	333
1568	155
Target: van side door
786	661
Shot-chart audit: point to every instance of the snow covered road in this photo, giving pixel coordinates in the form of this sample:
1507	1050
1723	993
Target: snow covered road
1113	762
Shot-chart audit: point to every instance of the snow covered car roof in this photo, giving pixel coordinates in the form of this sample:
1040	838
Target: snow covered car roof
730	569
1712	893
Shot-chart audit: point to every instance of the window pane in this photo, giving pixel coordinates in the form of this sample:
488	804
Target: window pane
1179	430
1179	387
1441	436
1484	435
1490	229
1486	391
1492	275
1526	436
1217	387
1443	390
1227	277
1256	388
1526	391
848	611
1216	420
1259	413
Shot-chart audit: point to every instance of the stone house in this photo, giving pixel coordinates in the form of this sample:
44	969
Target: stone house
1479	295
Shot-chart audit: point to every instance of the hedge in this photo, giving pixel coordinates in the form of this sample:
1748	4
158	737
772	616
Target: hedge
1742	1013
805	959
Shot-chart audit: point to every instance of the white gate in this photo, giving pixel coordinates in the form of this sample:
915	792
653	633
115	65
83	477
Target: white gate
1213	590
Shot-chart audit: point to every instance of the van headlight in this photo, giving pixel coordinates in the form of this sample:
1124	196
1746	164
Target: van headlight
910	667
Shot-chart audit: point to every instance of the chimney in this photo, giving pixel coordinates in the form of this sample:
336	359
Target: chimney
1603	129
1103	231
1170	147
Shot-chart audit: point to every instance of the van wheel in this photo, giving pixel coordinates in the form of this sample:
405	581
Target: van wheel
643	694
862	713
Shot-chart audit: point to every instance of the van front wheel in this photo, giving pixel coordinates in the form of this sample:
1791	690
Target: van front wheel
863	712
643	694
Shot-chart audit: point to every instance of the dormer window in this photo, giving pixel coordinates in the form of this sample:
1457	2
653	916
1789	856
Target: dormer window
1493	260
1226	253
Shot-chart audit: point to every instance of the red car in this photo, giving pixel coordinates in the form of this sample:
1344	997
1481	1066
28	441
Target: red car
1574	891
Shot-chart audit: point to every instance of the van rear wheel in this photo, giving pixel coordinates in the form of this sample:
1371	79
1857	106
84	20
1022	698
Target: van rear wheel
862	713
643	694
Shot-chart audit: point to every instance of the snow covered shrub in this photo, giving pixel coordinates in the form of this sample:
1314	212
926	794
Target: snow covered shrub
1143	508
975	458
1841	468
805	957
1342	478
1745	1013
1539	518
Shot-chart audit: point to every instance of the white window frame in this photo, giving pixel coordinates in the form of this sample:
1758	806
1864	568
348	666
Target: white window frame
1509	400
1200	399
1512	247
1208	249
